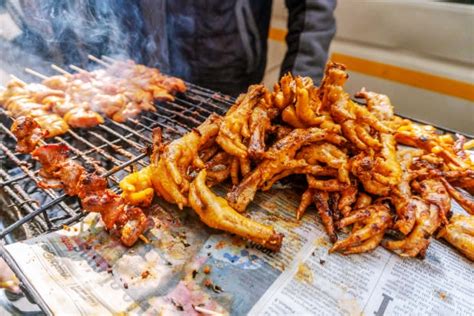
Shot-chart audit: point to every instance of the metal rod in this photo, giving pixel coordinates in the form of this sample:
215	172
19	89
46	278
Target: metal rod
116	148
128	129
96	149
12	180
31	215
190	109
22	199
184	117
128	141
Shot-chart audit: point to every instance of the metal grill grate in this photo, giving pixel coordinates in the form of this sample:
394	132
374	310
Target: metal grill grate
111	149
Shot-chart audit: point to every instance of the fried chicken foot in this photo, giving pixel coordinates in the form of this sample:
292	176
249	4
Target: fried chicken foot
307	104
348	197
260	125
460	233
363	200
283	93
278	158
215	212
466	203
328	154
433	191
387	169
428	220
331	185
401	196
169	175
300	167
378	104
362	166
321	201
372	223
426	139
217	168
305	202
235	125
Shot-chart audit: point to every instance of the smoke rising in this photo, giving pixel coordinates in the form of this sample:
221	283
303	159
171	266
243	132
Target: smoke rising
65	32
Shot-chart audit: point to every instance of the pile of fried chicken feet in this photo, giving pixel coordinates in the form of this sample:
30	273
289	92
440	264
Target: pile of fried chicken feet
368	172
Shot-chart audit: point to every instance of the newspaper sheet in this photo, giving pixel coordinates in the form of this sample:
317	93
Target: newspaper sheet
377	283
187	268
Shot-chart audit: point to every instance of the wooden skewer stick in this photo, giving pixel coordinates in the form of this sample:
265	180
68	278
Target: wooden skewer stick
17	79
97	60
207	311
108	59
78	69
35	73
60	70
144	239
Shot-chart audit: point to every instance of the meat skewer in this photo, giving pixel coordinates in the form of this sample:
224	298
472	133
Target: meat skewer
22	99
81	100
59	171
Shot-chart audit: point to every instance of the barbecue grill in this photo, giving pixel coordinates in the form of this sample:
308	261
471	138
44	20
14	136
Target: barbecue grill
111	149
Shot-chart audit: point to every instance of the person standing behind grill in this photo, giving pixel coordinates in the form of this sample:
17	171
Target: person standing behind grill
217	44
